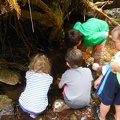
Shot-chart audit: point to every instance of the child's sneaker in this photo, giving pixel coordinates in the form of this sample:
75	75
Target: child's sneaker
33	116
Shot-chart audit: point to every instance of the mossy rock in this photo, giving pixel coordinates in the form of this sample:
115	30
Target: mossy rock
4	100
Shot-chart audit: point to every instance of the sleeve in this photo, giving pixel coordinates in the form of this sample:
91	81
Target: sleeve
105	68
63	79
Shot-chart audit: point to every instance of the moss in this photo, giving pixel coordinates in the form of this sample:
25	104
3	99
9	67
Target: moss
4	100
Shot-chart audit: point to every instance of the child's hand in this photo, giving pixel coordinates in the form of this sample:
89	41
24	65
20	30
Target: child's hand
113	71
114	67
57	81
95	66
97	82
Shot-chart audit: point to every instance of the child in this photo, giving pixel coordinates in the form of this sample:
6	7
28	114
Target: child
77	80
33	99
94	32
109	88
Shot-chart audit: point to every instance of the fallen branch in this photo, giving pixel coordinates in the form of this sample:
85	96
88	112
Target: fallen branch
99	11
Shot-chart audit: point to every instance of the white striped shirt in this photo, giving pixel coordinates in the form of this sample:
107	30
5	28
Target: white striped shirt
34	97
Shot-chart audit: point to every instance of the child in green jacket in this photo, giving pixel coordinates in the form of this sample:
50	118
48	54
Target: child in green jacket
94	33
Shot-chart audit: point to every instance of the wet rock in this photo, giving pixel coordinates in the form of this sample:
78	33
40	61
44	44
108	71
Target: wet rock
65	114
49	115
8	117
9	77
114	13
74	117
59	105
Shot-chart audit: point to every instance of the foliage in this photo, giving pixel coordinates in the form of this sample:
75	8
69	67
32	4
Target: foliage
14	5
39	26
4	100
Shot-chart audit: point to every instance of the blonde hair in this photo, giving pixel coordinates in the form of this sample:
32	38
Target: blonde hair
40	63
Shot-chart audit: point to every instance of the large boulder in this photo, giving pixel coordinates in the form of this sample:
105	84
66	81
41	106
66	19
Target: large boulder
9	76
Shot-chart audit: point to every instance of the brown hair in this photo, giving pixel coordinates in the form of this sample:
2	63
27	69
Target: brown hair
117	28
72	38
40	63
74	57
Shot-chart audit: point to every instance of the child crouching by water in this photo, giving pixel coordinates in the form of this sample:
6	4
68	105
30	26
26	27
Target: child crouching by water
76	81
34	99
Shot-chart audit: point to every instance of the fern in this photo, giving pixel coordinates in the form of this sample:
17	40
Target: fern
14	5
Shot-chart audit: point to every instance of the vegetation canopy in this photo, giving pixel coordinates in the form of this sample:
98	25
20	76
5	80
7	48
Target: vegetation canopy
30	26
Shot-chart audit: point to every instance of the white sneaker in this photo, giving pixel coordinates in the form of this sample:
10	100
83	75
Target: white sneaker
33	116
